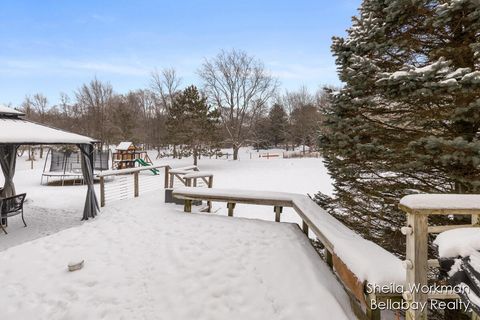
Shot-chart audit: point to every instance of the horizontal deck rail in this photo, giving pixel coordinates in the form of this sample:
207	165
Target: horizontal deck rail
124	189
128	180
130	170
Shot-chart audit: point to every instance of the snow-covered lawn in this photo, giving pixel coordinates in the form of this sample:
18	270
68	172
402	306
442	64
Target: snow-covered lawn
50	209
145	259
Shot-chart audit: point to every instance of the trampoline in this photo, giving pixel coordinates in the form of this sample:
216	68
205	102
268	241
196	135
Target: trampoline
67	166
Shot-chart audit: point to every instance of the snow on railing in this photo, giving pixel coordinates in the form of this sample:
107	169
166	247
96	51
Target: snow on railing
418	207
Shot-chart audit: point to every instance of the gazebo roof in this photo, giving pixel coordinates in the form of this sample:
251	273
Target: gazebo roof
15	130
6	111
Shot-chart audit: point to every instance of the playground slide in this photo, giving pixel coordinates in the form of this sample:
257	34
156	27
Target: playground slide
144	164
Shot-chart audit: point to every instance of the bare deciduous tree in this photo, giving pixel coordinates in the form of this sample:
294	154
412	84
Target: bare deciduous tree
94	99
292	100
165	84
240	87
40	105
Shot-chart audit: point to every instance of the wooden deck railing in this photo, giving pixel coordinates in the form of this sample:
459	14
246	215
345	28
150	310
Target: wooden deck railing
416	231
131	181
418	208
301	205
129	186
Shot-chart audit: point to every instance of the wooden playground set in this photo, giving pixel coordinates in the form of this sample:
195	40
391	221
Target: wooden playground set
127	155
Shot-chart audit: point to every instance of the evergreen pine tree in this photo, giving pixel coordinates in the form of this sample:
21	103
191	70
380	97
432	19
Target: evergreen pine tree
278	121
408	116
192	122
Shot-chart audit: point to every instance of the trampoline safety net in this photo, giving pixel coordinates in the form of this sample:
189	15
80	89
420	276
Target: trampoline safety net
71	161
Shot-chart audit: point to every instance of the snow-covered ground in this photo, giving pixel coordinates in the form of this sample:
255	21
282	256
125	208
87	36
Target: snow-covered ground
50	209
145	259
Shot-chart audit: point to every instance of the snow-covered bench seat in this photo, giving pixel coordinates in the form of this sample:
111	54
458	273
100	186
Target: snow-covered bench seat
198	174
179	173
183	170
192	178
357	261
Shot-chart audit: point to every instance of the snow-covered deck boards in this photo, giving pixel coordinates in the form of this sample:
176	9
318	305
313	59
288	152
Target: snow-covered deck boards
144	260
365	259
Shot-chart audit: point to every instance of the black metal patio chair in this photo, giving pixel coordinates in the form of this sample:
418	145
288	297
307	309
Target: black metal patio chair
10	207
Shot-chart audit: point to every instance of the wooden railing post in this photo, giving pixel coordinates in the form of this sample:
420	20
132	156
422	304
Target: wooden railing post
475	220
278	211
171	180
329	258
305	227
372	314
230	206
102	192
187	207
210	185
417	264
418	208
135	184
210	182
167	170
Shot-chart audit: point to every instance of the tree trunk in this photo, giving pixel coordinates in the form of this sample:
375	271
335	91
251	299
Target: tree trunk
174	151
235	152
195	156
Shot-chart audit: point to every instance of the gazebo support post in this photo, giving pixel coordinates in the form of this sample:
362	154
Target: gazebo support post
8	160
91	202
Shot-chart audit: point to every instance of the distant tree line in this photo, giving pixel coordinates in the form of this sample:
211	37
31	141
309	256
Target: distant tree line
238	104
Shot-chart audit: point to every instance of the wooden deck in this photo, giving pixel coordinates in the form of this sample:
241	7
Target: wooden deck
336	237
311	215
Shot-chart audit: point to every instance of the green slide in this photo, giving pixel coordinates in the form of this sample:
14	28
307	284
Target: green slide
143	163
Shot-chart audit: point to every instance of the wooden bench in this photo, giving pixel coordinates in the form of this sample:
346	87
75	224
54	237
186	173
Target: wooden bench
179	173
356	261
190	177
191	181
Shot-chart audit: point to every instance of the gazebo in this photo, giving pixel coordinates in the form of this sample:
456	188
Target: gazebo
16	131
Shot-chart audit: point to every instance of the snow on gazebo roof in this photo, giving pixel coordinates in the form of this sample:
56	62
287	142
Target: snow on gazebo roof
15	130
9	111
